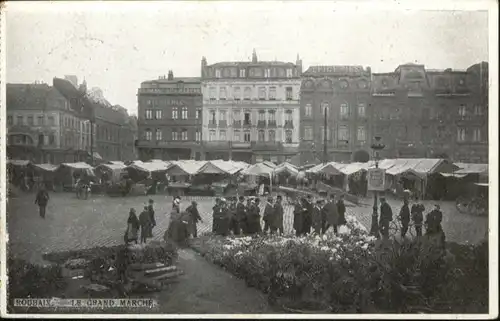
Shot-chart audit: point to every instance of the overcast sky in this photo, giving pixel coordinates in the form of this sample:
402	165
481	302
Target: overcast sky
117	50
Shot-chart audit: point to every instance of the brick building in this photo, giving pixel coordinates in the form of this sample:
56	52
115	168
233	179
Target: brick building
344	91
430	113
170	118
251	109
47	124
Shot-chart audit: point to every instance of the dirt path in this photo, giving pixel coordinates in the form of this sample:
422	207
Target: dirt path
206	288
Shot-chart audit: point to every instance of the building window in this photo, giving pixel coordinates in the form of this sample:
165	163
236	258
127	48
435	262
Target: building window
262	93
324	106
175	113
236	136
361	110
20	120
288	116
246	136
289	73
461	134
289	93
159	135
41	121
184	134
344	111
247	93
462	110
149	102
10	120
222	115
478	111
175	134
222	135
267	73
262	116
217	73
272	117
198	135
288	137
247	120
242	73
308	110
272	93
158	114
211	93
198	113
272	136
476	134
212	120
361	134
237	93
222	93
259	158
308	133
262	136
184	113
236	117
52	139
328	137
343	133
211	135
30	120
52	121
149	134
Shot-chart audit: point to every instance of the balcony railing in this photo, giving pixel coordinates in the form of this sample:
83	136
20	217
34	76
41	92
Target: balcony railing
266	145
261	123
289	123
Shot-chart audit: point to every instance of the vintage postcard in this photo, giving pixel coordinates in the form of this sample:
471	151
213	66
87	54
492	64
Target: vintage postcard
249	159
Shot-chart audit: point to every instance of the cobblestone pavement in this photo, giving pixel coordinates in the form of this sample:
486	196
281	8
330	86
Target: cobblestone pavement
71	223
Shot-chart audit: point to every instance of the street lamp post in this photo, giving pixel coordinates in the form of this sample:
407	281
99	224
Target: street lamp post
376	147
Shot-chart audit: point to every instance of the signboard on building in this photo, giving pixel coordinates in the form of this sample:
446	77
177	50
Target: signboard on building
376	179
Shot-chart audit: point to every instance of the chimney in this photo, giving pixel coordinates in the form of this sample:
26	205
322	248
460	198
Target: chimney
254	56
299	64
203	66
170	75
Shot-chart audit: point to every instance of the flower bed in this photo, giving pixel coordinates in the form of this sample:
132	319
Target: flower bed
351	272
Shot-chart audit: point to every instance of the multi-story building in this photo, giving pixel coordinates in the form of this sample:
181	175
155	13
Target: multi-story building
344	91
49	124
251	109
170	118
430	113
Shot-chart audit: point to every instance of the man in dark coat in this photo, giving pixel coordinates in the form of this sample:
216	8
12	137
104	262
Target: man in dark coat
253	218
233	221
341	210
269	216
194	218
317	219
332	215
42	199
151	211
215	214
385	217
433	224
240	217
298	219
307	215
404	216
278	215
146	224
417	216
223	219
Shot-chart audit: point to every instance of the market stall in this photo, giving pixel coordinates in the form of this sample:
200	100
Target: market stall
46	174
259	174
181	174
220	176
149	176
67	174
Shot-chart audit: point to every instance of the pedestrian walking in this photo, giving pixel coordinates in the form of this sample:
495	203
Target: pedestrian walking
131	234
42	199
298	211
417	216
404	217
146	224
241	215
341	210
317	219
269	216
385	217
278	215
332	215
194	218
151	212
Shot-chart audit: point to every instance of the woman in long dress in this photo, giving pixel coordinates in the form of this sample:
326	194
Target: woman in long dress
131	233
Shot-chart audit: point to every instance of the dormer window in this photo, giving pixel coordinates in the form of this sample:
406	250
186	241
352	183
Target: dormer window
267	73
217	73
289	73
242	73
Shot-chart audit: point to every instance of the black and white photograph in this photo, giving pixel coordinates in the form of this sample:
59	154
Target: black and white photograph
249	159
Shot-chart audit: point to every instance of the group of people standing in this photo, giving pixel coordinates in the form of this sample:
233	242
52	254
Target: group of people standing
145	223
236	216
319	216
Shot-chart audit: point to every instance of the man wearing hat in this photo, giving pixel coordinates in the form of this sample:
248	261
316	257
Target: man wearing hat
332	214
278	215
269	216
385	217
317	219
240	217
151	214
194	217
215	214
